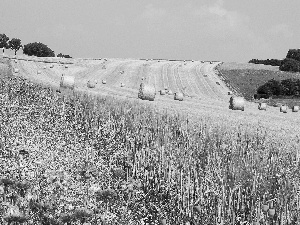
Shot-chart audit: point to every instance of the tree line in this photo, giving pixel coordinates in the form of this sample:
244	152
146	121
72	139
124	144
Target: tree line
32	49
290	63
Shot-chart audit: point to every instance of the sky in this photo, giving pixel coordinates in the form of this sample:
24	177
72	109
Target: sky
224	30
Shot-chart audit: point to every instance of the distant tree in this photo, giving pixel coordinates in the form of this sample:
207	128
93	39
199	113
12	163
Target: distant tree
3	41
271	62
38	49
293	54
63	56
289	64
15	44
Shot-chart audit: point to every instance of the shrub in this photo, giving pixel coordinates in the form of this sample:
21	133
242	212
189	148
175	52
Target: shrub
38	49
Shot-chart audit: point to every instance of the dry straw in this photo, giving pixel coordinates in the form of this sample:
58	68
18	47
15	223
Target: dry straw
45	67
66	66
295	108
39	72
91	84
262	106
146	92
237	103
122	85
103	81
178	96
67	82
16	70
229	92
52	66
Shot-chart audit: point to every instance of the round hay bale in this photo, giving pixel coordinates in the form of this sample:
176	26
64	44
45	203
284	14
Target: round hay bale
66	66
162	92
91	84
170	92
218	83
16	61
229	92
67	82
295	108
103	81
122	85
39	72
45	67
237	103
52	66
178	96
262	106
283	108
146	92
16	70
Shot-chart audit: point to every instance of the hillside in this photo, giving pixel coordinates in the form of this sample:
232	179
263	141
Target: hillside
115	159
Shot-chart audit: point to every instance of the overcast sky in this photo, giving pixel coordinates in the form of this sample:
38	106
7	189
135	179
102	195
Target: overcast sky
225	30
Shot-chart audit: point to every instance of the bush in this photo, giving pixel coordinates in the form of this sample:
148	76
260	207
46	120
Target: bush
38	49
289	64
288	87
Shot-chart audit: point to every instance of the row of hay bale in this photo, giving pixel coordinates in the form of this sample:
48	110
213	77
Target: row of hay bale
238	103
148	92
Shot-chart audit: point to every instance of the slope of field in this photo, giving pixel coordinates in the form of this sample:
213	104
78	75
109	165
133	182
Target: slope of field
206	95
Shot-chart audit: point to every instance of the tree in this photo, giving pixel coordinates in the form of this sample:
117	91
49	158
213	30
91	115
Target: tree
15	44
63	56
3	41
38	49
293	54
289	64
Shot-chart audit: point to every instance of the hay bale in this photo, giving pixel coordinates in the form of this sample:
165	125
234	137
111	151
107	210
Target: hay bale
91	84
39	72
52	66
218	83
103	81
122	85
178	96
67	82
262	106
66	66
295	108
229	92
146	92
283	108
237	103
45	67
162	92
16	61
170	92
16	70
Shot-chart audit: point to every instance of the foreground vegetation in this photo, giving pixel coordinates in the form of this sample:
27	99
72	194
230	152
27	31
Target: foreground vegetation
79	159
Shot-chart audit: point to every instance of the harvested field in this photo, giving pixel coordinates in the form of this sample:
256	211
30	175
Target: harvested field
199	153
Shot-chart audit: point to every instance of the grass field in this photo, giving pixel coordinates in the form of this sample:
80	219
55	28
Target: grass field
247	77
80	159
